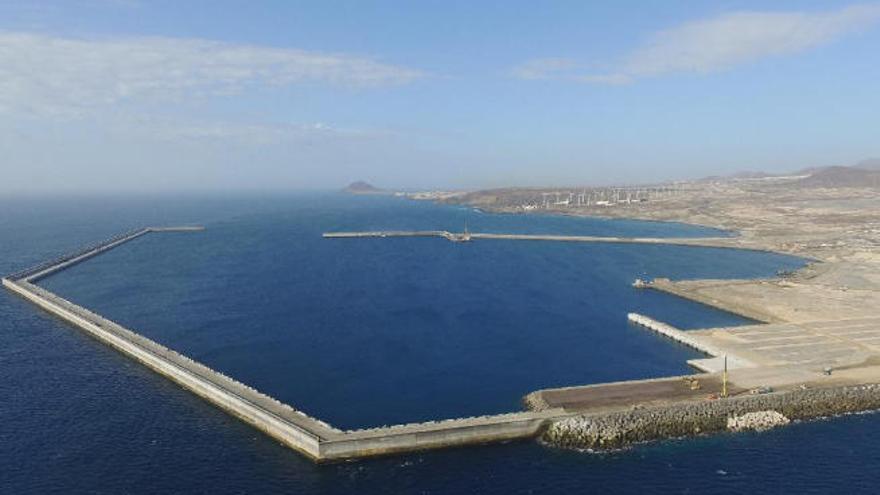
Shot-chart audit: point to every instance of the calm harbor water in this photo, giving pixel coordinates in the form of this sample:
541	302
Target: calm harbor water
364	333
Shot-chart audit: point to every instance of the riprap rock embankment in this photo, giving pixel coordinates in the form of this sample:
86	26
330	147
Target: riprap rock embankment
622	428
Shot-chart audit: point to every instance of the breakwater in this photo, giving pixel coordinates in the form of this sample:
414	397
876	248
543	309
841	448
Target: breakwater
55	265
437	434
673	333
726	242
281	421
445	234
621	428
599	415
65	261
308	435
695	342
292	427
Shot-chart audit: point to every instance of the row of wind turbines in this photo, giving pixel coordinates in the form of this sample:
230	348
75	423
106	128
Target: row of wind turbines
606	196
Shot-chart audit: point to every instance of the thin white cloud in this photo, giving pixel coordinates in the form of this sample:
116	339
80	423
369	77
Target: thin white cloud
723	42
43	74
733	39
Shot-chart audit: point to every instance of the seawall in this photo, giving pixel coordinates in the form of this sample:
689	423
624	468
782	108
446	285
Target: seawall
438	434
310	436
711	242
260	411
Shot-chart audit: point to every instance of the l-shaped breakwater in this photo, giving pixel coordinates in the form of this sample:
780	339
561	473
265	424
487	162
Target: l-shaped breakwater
293	428
760	358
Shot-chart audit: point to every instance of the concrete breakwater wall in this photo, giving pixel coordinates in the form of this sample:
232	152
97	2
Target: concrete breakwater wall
682	241
723	242
293	428
55	265
386	233
437	434
310	436
276	419
622	428
673	333
680	336
445	234
65	261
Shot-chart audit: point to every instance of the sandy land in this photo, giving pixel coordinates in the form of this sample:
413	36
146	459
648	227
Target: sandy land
838	228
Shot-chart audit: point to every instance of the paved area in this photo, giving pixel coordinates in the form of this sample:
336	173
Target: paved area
810	345
779	356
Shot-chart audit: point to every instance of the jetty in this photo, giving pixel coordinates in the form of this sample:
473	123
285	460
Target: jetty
800	370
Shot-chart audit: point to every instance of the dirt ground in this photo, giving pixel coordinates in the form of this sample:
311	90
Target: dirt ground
837	228
616	395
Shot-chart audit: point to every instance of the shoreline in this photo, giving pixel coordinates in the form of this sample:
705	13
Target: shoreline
832	255
791	306
560	213
733	234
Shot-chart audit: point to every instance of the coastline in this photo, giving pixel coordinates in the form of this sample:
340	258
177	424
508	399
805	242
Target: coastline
829	228
839	283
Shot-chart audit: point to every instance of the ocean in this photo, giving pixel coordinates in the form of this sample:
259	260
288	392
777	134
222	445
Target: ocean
360	333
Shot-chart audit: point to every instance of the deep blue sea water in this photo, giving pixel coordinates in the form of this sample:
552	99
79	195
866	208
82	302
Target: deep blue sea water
362	333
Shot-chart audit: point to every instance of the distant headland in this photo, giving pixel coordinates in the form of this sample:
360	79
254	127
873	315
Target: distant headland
362	187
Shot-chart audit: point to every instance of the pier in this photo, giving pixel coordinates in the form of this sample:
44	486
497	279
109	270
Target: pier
808	363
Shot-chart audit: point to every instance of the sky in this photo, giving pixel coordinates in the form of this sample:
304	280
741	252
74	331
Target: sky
217	95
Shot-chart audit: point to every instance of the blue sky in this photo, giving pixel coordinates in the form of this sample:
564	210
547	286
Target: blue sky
217	95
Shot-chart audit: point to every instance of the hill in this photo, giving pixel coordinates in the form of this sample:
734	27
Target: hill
842	177
869	164
361	187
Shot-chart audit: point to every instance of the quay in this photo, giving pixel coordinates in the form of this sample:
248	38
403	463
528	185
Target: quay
801	369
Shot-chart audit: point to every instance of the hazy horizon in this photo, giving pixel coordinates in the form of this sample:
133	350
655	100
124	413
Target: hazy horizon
116	96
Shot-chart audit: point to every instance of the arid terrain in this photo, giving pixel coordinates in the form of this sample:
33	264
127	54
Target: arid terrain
823	317
831	216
